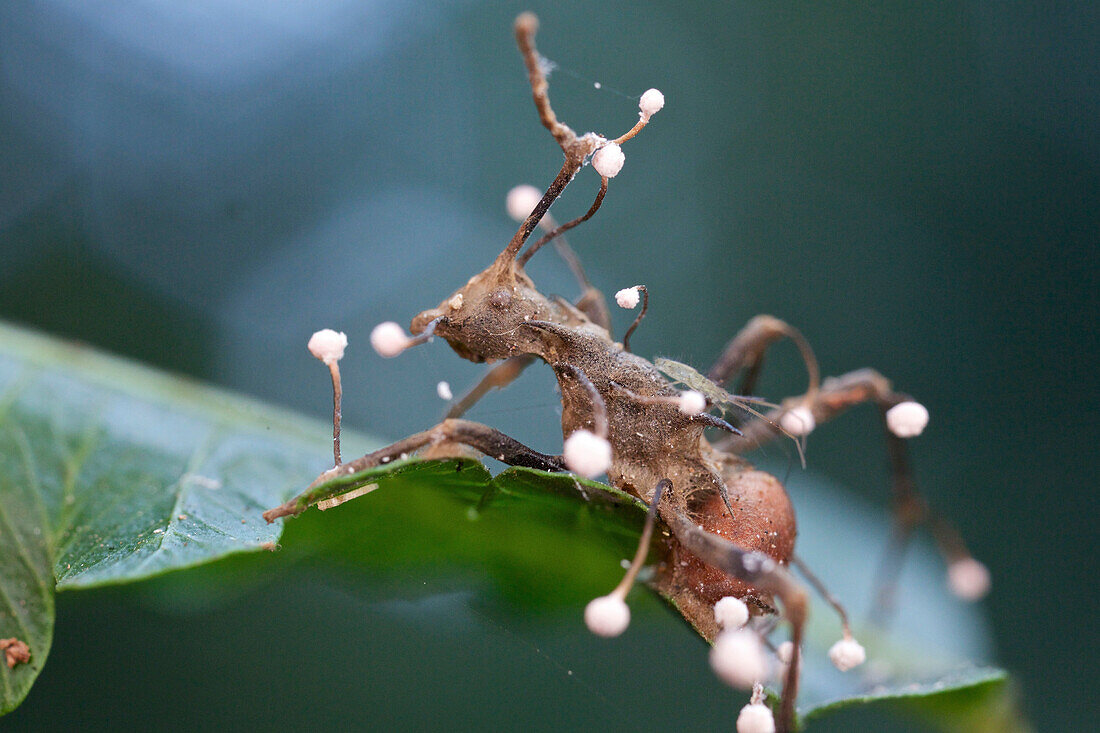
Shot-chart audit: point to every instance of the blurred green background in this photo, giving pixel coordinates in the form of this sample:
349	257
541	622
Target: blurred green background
201	185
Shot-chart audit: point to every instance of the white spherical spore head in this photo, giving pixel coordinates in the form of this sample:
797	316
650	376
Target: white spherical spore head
968	579
444	391
651	103
798	421
608	160
628	297
731	613
607	616
692	403
737	657
328	345
522	200
755	718
389	339
847	653
907	419
587	454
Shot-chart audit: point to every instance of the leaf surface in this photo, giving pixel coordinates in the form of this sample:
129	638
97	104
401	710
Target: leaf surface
110	473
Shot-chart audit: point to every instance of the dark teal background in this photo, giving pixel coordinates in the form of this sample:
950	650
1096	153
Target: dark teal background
201	185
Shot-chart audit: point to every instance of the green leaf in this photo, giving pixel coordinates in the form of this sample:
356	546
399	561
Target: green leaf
971	700
110	472
455	511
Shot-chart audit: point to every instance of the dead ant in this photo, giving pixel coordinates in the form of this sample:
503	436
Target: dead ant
727	531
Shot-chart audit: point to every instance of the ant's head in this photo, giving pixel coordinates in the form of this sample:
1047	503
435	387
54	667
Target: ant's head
484	319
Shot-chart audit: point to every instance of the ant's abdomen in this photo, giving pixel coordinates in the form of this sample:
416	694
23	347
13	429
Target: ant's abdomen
763	521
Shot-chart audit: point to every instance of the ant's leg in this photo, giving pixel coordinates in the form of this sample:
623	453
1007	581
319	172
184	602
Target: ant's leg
483	438
823	591
592	302
746	351
557	231
910	510
834	397
499	377
762	573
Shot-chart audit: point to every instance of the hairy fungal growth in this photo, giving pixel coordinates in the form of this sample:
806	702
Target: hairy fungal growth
724	531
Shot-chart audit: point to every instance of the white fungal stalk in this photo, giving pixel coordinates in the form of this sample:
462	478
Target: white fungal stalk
798	421
608	160
737	657
607	616
907	419
847	653
389	339
731	613
328	345
756	717
968	579
628	297
650	104
522	200
587	454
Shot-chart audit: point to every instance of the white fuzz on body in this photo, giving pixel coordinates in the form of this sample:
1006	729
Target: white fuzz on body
785	652
692	403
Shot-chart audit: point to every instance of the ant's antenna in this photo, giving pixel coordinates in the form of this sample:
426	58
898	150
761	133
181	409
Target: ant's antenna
607	157
576	149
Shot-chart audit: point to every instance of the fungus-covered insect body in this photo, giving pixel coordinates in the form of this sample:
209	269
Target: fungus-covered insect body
727	529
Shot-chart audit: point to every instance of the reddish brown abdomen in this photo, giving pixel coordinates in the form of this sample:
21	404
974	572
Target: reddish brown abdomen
763	521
